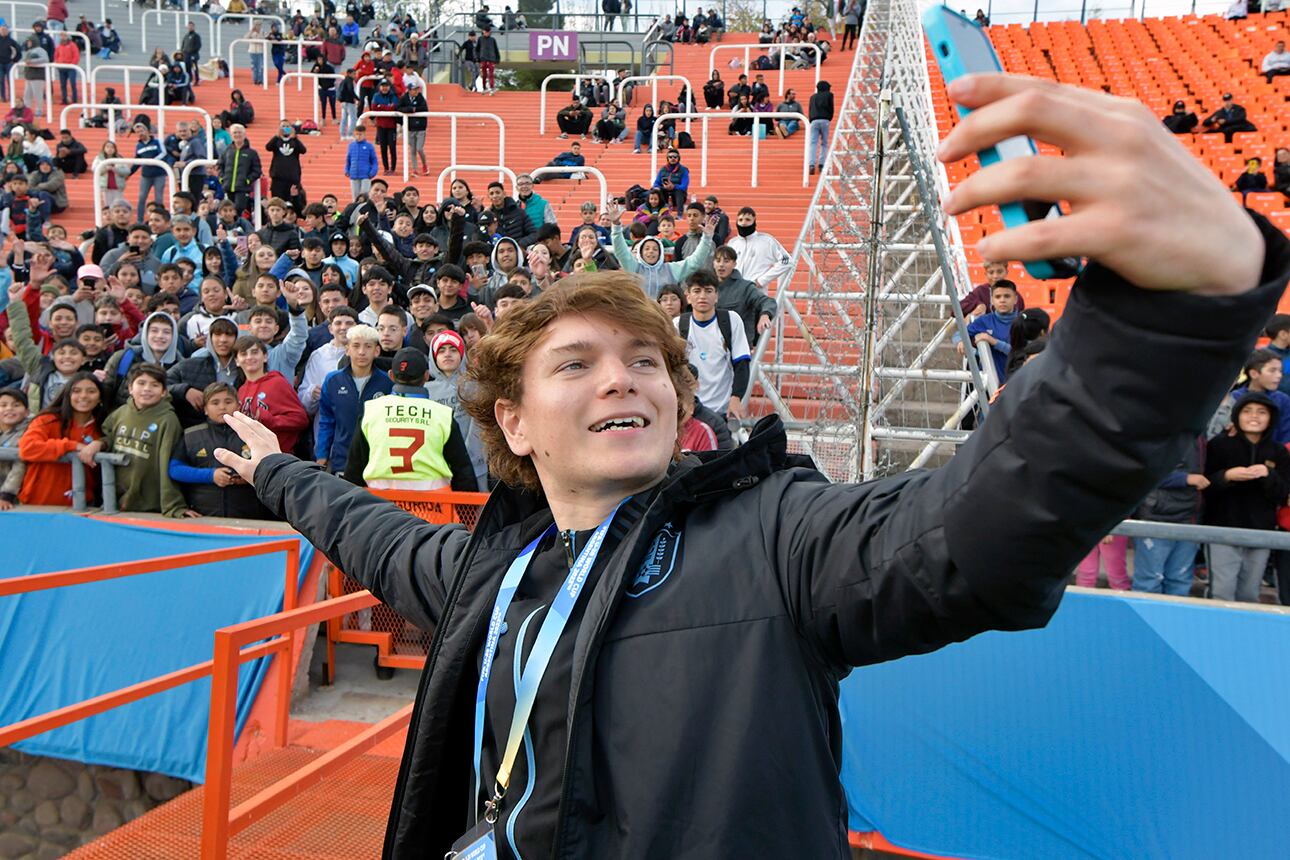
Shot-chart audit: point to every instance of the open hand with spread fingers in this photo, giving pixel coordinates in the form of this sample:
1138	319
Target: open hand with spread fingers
260	440
1140	203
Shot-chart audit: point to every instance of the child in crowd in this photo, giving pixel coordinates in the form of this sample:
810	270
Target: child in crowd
72	424
147	429
1249	477
267	395
94	343
46	374
213	490
995	328
13	421
1263	373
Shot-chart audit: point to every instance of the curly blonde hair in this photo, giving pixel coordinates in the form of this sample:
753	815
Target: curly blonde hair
496	367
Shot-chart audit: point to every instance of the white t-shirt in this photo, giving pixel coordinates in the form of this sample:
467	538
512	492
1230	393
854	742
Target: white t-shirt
707	352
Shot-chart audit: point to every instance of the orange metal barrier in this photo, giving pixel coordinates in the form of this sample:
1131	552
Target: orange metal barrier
219	823
19	731
875	841
399	644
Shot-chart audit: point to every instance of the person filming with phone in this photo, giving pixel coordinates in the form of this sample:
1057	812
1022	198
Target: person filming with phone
687	704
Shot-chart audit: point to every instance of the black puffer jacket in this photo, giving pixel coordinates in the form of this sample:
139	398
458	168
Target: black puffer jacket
828	577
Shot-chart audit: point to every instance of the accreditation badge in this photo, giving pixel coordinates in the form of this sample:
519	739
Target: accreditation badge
477	844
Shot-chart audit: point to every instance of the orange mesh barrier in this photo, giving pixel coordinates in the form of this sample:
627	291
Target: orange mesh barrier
399	644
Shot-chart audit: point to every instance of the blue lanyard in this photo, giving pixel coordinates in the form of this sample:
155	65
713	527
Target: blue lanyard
539	656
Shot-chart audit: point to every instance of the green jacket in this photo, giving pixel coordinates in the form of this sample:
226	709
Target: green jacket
39	367
148	436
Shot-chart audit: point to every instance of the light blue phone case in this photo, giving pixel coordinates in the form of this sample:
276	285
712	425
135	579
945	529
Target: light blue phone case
946	51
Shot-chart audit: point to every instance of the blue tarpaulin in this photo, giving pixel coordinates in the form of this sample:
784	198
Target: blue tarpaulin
1127	728
64	645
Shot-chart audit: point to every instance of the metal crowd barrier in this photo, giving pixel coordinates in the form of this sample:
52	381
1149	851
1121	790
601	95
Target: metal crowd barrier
107	462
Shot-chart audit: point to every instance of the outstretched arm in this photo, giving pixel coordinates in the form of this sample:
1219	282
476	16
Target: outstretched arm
403	560
1154	332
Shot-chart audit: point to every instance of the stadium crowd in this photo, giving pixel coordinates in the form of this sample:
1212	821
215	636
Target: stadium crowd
141	336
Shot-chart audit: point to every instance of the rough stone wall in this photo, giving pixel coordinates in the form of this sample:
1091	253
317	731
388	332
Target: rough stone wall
50	806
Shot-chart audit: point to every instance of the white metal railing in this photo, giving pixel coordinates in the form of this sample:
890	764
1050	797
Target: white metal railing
102	163
282	92
653	80
190	166
210	24
161	111
13	87
452	117
756	141
566	170
84	64
299	44
567	76
149	71
986	361
473	168
13	5
245	19
782	48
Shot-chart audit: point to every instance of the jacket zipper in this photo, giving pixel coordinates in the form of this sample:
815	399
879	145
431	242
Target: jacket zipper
568	538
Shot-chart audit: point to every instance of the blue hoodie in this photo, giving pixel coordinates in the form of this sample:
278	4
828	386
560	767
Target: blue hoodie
1000	326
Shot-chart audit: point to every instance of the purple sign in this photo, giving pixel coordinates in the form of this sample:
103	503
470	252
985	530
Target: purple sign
553	45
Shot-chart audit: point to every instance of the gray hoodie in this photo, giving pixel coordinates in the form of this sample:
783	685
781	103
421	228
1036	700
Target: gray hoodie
498	278
445	389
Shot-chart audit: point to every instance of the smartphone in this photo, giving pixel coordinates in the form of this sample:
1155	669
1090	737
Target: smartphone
961	47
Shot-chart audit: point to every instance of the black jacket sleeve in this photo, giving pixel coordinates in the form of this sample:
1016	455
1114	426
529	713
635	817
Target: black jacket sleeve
405	561
394	261
356	461
907	564
458	459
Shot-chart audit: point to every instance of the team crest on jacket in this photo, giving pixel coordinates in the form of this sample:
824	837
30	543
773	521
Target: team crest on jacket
658	564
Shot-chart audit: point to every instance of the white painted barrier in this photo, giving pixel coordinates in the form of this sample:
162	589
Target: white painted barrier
245	19
84	40
567	76
653	81
268	62
103	163
551	170
756	141
749	48
160	110
210	24
282	92
453	117
149	71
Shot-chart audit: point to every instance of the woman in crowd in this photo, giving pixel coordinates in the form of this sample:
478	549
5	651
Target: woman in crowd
714	91
71	425
612	126
112	180
644	127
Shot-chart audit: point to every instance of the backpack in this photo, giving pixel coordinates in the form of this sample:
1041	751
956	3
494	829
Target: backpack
635	197
723	323
684	140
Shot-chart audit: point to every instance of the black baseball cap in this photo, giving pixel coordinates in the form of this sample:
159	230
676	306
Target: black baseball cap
409	366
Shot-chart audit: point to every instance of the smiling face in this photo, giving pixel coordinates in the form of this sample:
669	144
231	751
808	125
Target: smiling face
588	242
252	361
85	397
1254	418
264	327
146	391
265	291
495	196
12	411
160	335
598	412
62	322
68	359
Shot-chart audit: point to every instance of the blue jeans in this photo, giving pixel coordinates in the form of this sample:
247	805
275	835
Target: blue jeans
4	79
1163	566
155	184
257	69
818	147
348	118
66	80
790	127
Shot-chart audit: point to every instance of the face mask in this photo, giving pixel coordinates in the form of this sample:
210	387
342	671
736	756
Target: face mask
746	230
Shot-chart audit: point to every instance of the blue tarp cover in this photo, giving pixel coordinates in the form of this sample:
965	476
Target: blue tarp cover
64	645
1127	728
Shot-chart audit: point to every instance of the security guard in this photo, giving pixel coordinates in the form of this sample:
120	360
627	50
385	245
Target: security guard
405	440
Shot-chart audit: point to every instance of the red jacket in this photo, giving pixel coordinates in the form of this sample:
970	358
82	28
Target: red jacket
273	402
47	481
67	52
57	10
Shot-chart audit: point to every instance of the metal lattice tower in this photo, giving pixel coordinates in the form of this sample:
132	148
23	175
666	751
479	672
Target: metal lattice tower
877	386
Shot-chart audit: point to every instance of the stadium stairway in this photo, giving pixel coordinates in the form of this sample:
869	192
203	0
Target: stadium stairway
1157	61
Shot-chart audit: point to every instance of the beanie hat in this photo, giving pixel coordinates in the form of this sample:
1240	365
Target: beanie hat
447	338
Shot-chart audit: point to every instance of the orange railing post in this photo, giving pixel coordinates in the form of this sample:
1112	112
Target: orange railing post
219	748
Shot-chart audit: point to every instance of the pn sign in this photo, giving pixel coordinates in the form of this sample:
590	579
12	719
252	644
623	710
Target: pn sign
553	45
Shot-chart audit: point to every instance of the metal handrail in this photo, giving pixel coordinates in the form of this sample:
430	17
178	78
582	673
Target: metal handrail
83	66
108	460
299	44
577	78
210	23
161	109
101	164
653	81
452	116
565	170
647	56
103	67
604	52
756	141
244	18
282	92
779	46
476	168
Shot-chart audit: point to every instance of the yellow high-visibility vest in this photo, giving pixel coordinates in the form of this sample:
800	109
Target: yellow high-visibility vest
405	439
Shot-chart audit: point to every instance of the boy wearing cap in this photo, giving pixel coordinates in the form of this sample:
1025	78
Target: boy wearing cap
387	127
407	441
447	351
423	303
